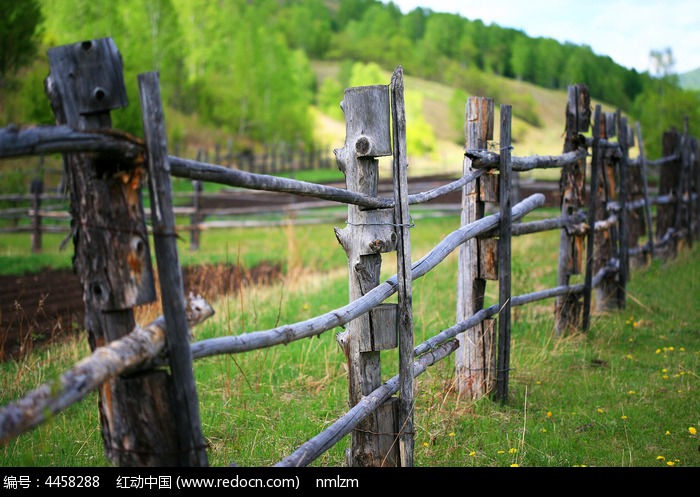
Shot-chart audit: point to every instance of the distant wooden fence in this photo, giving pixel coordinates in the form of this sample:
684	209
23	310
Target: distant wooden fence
275	158
152	418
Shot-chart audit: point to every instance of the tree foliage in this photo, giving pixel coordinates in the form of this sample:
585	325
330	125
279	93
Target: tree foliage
20	31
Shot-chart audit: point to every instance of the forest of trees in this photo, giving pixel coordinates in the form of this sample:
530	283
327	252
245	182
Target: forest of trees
246	66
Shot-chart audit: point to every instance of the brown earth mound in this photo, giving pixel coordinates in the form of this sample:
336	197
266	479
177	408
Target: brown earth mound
36	309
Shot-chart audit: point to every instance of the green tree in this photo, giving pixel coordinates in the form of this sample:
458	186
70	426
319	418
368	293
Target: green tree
373	37
250	82
441	31
664	105
521	57
497	50
547	61
412	25
307	26
350	10
72	21
329	96
20	34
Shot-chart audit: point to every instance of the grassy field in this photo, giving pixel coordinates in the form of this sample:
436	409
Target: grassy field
624	394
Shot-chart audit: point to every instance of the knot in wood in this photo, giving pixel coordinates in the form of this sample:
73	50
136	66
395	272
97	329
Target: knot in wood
364	146
376	246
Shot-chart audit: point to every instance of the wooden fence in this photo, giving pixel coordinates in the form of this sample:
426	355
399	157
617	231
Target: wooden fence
152	418
274	158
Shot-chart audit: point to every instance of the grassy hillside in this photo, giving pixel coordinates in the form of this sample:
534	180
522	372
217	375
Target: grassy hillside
690	80
546	139
437	111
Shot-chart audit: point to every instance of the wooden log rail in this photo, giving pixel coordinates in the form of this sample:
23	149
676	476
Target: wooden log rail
342	315
484	159
571	223
312	449
41	140
17	142
135	351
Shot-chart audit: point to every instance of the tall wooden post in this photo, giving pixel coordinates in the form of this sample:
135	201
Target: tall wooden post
504	257
368	234
477	348
402	222
603	185
112	256
196	216
184	402
645	190
592	241
623	139
36	188
684	214
669	180
695	175
637	227
578	115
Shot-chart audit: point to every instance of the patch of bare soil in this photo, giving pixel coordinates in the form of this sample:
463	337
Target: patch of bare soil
41	308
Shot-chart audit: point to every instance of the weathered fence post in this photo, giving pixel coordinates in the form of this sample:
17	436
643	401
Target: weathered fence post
475	358
695	165
578	114
623	274
504	256
368	234
112	256
184	408
36	188
402	222
669	179
645	190
603	186
637	227
196	217
597	196
684	215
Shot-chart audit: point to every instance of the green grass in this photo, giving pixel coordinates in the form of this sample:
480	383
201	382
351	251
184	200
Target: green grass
624	394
